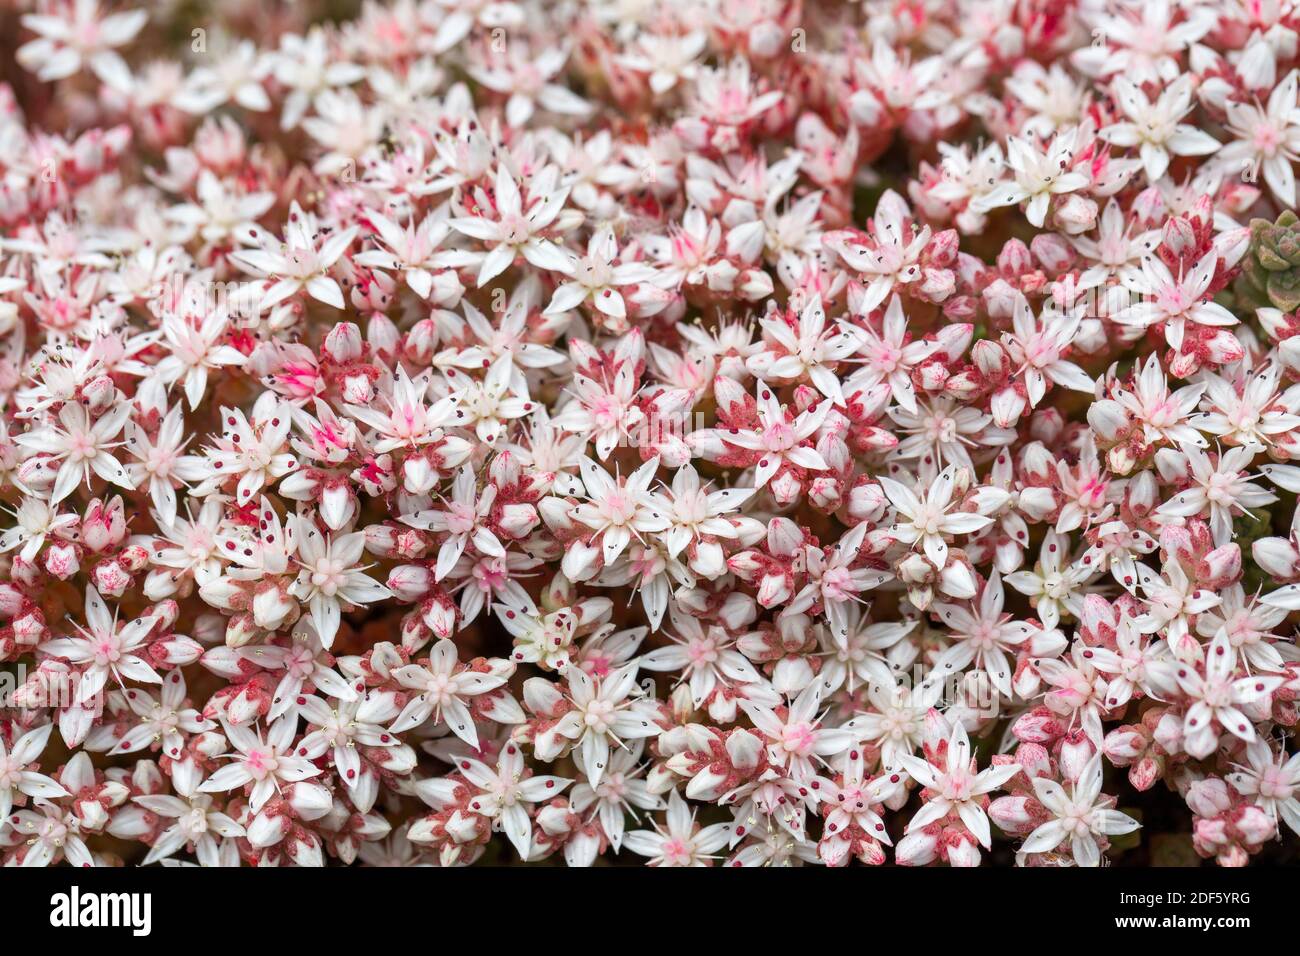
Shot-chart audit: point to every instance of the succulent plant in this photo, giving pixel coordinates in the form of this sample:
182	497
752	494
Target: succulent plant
1270	274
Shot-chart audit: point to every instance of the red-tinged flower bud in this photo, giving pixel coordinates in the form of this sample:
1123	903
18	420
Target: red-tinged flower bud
1006	406
1221	567
1108	419
440	617
410	582
1223	347
1075	214
964	853
708	560
29	628
943	247
210	743
681	703
252	701
1038	726
100	394
581	561
806	397
421	342
61	560
991	359
721	276
738	610
1037	463
1000	298
1026	682
931	376
160	583
37	473
518	520
268	829
731	396
1076	751
240	629
11	600
745	565
1055	254
917	849
382	335
1146	772
418	475
110	578
915	569
309	800
1179	237
960	308
337	504
825	493
754	285
1124	745
1014	814
1168	732
92	814
177	650
133	558
1046	426
1208	797
937	284
867	502
557	513
1276	557
784	537
104	526
1255	825
272	607
1014	259
773	589
357	389
833	850
957	580
343	343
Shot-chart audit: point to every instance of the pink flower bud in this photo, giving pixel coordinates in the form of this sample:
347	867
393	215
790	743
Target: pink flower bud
104	526
61	561
917	849
518	520
343	343
410	582
110	578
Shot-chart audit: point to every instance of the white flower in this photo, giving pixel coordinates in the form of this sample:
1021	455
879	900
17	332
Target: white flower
265	762
680	841
1038	177
1080	817
926	520
197	823
617	512
955	785
1154	128
15	777
105	650
329	575
64	45
302	261
605	711
443	688
83	447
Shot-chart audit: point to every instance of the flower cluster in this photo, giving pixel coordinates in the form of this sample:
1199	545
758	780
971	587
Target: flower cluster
751	432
